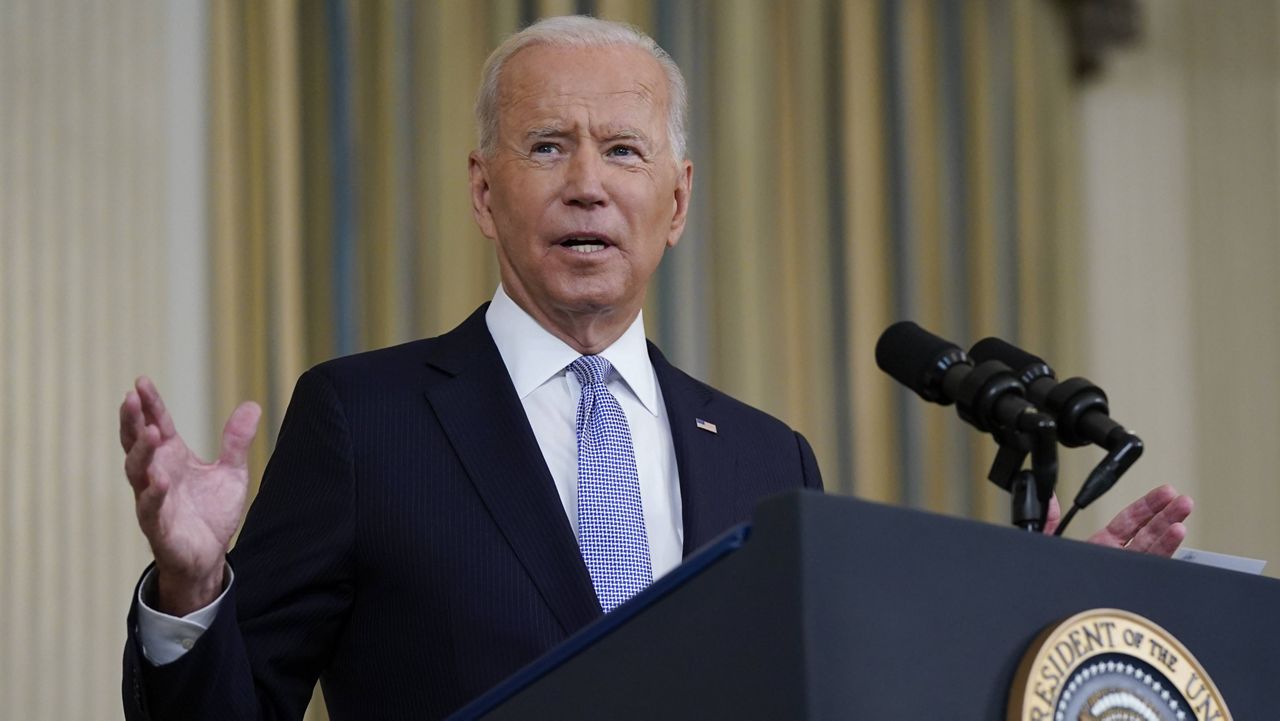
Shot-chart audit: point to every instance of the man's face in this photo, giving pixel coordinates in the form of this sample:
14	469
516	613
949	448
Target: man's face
581	194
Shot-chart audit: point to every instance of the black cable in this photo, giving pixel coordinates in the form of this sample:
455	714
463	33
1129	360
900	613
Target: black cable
1065	520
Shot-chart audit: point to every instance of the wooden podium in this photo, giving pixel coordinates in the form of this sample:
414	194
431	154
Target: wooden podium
832	608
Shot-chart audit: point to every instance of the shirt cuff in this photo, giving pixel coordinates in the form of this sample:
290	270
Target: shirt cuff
166	638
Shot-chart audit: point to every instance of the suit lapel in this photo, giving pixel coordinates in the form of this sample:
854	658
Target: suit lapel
487	427
703	458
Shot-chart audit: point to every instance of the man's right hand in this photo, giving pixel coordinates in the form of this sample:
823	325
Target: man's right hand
188	509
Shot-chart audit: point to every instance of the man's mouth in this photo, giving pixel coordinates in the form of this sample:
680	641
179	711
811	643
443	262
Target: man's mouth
585	243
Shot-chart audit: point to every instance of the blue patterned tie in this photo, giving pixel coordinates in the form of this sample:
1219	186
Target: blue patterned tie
611	530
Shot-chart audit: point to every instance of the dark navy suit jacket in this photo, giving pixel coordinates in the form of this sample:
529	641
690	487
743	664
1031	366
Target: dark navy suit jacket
409	548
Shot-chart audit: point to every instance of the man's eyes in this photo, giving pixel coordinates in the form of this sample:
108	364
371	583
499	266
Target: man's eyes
622	151
617	151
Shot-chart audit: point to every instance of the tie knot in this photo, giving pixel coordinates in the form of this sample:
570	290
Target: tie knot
590	369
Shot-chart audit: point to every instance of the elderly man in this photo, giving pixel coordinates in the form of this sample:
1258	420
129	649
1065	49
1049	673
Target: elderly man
437	514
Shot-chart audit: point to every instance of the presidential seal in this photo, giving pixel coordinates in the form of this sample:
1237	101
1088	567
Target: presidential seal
1112	665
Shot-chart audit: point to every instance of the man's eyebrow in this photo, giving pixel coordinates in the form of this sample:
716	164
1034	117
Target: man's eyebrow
553	132
546	131
626	135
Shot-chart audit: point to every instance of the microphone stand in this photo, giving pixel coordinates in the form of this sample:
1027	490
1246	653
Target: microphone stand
982	398
1030	490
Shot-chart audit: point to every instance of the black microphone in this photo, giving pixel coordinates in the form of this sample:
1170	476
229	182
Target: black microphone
1080	409
988	395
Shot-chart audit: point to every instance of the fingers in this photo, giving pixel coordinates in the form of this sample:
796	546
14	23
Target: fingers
138	459
238	433
148	503
1136	515
131	420
153	408
1054	515
149	486
1152	524
1168	541
1164	533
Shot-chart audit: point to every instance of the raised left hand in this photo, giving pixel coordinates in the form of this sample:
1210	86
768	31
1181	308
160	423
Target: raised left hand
1151	524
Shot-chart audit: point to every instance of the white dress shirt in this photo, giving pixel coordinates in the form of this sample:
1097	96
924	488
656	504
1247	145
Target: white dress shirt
538	364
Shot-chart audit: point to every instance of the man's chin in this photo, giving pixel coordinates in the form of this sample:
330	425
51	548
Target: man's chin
603	303
593	293
589	304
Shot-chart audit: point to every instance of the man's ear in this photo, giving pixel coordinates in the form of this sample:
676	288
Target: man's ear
684	190
480	194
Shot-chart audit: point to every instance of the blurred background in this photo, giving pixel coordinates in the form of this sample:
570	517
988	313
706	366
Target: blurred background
220	194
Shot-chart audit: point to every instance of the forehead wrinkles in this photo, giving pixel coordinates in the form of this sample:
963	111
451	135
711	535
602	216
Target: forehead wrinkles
527	98
538	105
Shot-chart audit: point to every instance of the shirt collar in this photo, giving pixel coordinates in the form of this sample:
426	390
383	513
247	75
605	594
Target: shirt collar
533	355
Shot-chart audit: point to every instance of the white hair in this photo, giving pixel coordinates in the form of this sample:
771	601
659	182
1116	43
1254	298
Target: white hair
579	31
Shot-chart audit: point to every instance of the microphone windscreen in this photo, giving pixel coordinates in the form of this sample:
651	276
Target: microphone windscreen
908	353
994	349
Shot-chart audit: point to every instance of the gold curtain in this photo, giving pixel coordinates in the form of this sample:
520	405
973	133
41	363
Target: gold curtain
856	162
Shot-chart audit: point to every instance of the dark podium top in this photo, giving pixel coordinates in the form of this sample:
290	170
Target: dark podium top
834	608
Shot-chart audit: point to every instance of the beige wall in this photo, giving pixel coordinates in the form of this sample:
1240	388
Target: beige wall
1181	171
101	278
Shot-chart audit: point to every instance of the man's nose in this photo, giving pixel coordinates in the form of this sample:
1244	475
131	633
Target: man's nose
584	180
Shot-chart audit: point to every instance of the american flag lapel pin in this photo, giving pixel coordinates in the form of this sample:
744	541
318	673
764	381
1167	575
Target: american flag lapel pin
707	426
